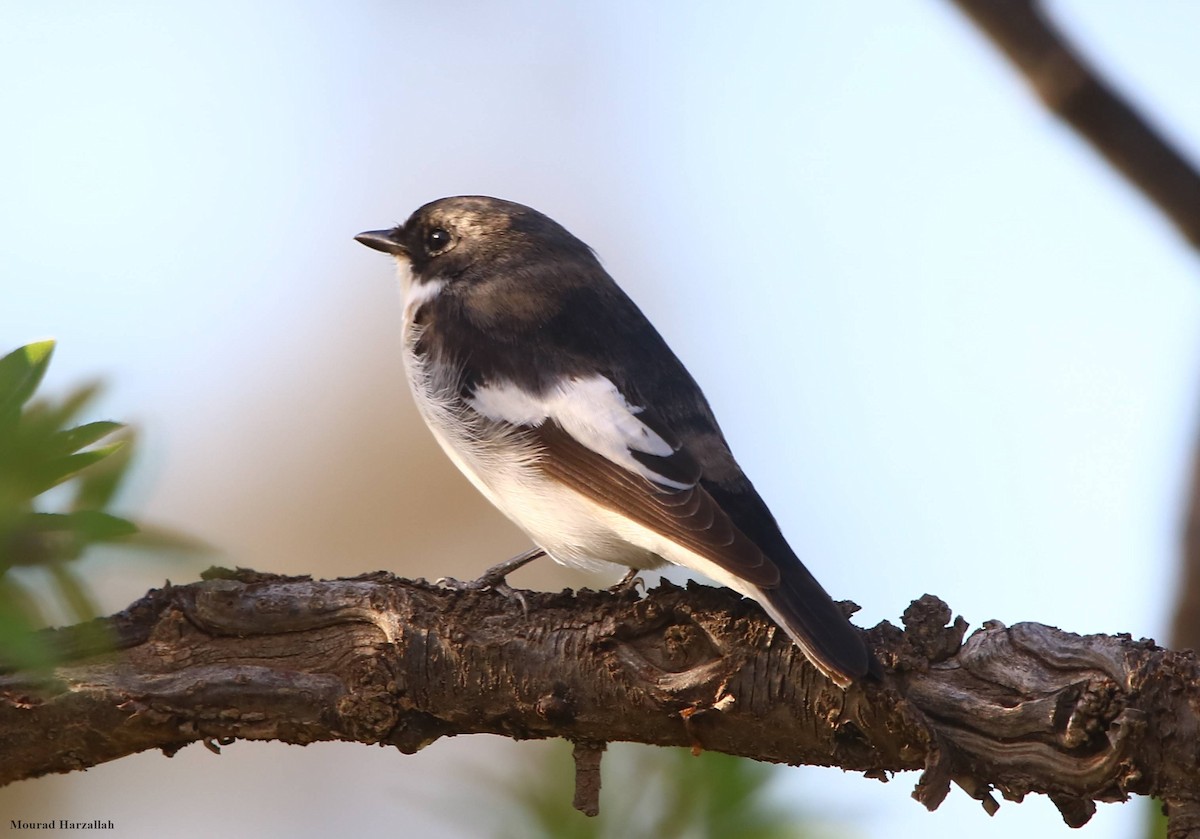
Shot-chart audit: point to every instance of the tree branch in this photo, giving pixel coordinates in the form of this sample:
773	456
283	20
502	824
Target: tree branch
1185	627
1073	90
377	659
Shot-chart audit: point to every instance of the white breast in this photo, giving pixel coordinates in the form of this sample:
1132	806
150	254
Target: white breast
499	462
571	528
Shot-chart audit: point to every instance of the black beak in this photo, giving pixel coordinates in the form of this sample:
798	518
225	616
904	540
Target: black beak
383	240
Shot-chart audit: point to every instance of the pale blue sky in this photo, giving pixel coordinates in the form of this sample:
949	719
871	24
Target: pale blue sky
955	352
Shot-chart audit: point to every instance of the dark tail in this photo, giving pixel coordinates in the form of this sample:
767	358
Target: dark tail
803	609
797	603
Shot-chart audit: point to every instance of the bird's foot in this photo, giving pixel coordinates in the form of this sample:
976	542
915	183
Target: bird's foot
495	578
629	583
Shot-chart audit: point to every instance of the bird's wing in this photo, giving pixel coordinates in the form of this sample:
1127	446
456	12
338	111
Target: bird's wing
620	455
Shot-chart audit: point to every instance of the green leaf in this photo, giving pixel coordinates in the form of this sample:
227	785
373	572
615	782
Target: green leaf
73	439
32	539
39	539
55	471
1157	827
20	372
98	485
95	526
72	592
163	539
47	538
50	416
20	647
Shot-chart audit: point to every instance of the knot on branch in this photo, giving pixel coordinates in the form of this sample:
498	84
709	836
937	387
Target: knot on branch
662	642
1032	701
928	636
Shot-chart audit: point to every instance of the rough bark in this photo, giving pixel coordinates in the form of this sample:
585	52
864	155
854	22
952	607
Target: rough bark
377	659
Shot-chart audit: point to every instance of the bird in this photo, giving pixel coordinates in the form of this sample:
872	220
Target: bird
552	392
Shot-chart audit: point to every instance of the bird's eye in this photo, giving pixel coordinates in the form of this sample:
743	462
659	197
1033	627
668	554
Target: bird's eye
437	240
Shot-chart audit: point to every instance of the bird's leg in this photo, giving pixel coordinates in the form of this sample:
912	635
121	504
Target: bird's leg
629	582
495	577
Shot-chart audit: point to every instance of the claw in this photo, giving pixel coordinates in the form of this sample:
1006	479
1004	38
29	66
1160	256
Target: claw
510	593
629	582
495	578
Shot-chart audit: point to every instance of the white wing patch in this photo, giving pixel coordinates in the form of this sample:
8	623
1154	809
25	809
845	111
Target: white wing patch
591	410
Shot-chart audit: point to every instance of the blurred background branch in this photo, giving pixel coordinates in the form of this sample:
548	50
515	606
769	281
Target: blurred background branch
1073	89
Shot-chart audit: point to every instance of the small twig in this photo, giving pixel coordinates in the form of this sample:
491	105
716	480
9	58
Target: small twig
587	777
1183	819
1185	627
